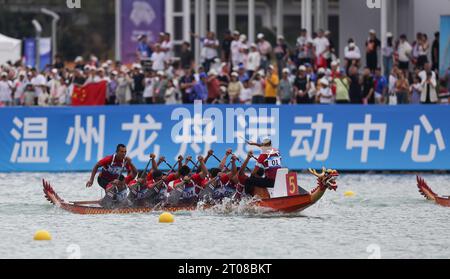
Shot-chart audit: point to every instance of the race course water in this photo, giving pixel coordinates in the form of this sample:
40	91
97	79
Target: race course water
387	218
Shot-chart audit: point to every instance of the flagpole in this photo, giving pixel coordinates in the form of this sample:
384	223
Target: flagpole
118	30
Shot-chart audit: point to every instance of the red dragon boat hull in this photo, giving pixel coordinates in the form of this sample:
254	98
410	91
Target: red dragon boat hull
286	205
429	194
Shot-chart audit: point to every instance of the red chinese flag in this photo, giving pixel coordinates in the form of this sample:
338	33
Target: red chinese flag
93	94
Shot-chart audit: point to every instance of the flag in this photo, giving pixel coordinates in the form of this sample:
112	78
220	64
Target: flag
93	94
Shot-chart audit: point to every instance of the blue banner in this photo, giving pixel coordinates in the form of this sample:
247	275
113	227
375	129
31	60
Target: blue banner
444	44
44	49
340	137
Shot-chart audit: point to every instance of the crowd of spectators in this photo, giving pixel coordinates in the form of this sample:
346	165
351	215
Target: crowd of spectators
235	71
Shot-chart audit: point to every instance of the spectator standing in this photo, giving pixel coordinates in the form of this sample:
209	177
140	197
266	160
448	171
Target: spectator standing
171	93
187	83
404	53
342	84
416	91
158	58
372	45
254	60
112	88
388	54
226	46
423	51
246	93
19	89
281	54
302	52
302	86
381	87
143	51
123	92
54	87
265	48
257	85
200	89
322	49
355	86
324	94
39	82
29	99
167	47
234	88
186	56
235	49
285	89
368	87
435	52
213	85
6	90
209	50
402	89
429	93
272	82
352	55
138	84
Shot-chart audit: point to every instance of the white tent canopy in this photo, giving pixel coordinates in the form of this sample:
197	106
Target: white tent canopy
10	49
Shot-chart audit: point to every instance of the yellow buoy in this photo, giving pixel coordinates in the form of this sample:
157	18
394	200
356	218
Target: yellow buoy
166	217
42	236
349	194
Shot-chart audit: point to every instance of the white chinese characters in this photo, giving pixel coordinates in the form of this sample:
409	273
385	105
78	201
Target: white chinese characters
414	137
302	145
139	142
366	142
31	140
88	136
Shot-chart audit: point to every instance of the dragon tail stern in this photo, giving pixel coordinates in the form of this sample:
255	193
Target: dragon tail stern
50	194
425	190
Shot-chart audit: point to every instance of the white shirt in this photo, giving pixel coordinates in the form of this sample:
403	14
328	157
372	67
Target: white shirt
38	82
5	91
257	89
254	61
354	54
321	45
326	96
168	49
404	51
209	52
423	76
158	59
149	88
235	51
246	95
20	88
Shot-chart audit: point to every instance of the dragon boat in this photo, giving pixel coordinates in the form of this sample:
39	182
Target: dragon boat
429	194
286	197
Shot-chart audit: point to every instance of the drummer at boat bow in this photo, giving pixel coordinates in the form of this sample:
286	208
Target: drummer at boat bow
113	167
270	162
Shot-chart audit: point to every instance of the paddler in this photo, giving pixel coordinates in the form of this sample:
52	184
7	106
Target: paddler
116	194
187	185
269	161
112	168
148	189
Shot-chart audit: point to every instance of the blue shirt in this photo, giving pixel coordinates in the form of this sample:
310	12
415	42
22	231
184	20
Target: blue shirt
201	91
144	50
381	84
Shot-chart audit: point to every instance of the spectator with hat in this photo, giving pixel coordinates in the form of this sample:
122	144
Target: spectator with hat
254	60
285	89
143	51
302	86
234	88
272	82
